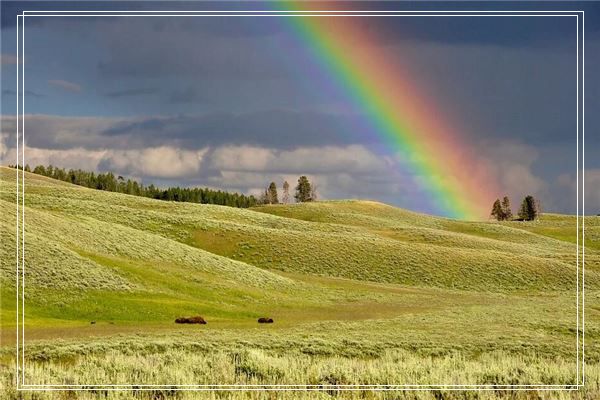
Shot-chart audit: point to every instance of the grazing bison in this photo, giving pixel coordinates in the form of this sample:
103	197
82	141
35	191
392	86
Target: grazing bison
265	320
191	320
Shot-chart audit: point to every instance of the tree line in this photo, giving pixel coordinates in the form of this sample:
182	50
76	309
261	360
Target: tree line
304	192
109	182
530	209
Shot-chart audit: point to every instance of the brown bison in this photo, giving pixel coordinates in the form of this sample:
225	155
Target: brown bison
265	320
191	320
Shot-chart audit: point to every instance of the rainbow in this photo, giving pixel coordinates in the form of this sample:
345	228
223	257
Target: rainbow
456	181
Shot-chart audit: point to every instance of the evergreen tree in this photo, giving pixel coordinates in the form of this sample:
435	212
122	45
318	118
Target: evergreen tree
506	211
528	211
303	190
108	182
286	192
497	210
274	199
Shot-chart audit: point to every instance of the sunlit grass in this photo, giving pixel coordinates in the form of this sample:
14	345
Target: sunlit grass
361	292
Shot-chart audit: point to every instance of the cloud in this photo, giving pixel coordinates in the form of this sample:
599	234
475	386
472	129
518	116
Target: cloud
512	163
565	189
65	85
242	154
592	191
156	162
131	92
353	159
56	132
10	92
9	59
279	129
160	162
185	96
189	49
4	149
338	171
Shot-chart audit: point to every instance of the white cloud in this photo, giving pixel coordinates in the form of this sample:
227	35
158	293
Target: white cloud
161	162
351	159
71	158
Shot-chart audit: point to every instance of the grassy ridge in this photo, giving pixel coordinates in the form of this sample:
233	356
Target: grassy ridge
489	257
352	285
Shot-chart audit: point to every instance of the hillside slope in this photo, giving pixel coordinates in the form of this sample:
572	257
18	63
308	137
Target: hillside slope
347	283
351	239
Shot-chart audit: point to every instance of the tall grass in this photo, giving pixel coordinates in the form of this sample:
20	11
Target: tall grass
361	292
329	373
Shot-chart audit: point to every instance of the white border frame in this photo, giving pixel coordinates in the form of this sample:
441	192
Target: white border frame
20	275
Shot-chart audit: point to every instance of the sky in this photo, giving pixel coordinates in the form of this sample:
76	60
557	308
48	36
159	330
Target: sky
235	103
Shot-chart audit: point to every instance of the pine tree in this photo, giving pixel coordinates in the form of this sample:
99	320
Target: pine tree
273	193
528	211
506	211
286	193
497	210
303	190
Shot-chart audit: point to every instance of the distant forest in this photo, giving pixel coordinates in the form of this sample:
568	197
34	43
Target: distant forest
109	182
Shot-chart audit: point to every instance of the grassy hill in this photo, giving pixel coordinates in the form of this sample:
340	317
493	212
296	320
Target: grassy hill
346	279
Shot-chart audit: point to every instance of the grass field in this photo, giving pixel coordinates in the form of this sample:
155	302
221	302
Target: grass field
361	293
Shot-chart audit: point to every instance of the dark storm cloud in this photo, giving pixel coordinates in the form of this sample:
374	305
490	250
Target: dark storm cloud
224	100
131	92
524	94
186	96
273	128
136	49
529	31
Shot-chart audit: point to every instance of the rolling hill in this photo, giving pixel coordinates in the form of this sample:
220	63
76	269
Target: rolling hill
339	277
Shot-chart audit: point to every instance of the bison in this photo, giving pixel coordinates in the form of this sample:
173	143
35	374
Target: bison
265	320
191	320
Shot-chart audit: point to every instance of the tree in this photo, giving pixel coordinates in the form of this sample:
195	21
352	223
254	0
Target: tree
303	190
506	211
528	211
272	192
107	181
497	210
264	198
286	193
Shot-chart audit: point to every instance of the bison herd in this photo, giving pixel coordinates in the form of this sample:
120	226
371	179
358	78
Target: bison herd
199	320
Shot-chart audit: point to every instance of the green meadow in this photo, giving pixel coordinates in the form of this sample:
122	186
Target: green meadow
361	293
